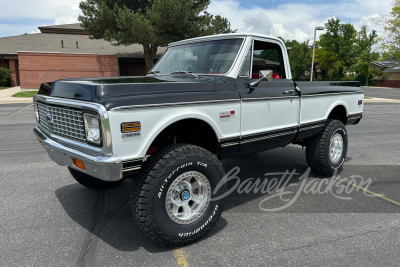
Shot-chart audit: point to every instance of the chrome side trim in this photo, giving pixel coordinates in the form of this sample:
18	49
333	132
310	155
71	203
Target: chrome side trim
133	160
267	137
132	164
329	94
229	138
311	127
230	144
268	98
359	114
167	105
287	129
132	169
100	109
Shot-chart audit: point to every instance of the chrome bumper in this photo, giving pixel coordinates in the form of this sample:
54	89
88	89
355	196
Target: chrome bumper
102	167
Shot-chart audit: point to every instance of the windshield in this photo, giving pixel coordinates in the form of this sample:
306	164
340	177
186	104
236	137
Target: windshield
212	57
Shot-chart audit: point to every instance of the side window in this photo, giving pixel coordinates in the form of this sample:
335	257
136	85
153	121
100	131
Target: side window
268	56
246	68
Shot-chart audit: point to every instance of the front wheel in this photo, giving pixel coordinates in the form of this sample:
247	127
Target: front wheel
178	195
326	152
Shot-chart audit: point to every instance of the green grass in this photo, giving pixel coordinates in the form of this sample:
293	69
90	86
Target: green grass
25	94
367	97
2	87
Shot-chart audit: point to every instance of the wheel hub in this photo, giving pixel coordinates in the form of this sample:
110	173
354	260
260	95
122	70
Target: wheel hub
336	148
185	195
188	197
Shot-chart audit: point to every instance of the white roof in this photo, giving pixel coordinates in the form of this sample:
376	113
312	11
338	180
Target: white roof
226	36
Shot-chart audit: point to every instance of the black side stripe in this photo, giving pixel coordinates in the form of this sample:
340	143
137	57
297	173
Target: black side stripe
266	135
312	125
355	115
131	165
230	141
354	118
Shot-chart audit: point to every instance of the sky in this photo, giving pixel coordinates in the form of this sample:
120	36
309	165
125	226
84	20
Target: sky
290	19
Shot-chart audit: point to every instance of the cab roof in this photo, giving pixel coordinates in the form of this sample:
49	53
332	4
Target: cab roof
224	36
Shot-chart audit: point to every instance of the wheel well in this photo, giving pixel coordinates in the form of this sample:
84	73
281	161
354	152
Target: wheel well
338	113
191	131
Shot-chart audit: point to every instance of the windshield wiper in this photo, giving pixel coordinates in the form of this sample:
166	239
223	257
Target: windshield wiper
153	72
186	72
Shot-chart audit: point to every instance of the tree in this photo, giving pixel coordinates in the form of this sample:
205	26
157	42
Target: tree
391	26
335	51
300	58
364	57
5	77
151	23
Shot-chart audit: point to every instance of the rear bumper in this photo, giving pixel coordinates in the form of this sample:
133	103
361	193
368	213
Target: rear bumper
106	168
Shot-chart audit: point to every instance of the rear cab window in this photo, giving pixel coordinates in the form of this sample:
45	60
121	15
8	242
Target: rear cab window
263	56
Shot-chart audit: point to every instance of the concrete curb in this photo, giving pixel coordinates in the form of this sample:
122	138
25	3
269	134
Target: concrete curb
376	87
381	100
6	96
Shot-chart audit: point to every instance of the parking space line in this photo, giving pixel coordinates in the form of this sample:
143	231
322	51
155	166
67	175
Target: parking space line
180	257
21	109
362	188
370	192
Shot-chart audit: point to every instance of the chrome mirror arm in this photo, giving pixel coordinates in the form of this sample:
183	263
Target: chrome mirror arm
263	76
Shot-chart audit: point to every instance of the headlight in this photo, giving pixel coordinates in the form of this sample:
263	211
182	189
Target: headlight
92	128
36	112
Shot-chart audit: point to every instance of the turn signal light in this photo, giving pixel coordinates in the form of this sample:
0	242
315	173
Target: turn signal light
128	127
79	164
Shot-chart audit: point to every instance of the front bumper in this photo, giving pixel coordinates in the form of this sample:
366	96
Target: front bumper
106	168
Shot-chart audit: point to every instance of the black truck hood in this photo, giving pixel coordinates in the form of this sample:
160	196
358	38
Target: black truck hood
121	91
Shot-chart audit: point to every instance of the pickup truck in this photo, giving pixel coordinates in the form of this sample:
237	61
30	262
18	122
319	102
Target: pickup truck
206	99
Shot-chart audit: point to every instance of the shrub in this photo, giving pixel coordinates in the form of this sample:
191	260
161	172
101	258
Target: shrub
5	77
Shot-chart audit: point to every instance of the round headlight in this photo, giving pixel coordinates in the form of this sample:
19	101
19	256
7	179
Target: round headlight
92	128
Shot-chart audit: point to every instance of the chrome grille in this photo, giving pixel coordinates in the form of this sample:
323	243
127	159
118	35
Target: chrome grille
62	121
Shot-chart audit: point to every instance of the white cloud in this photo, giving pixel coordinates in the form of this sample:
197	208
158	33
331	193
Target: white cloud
289	20
257	22
65	20
39	9
297	21
22	16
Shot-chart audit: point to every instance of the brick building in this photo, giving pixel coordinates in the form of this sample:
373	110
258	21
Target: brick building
390	73
66	51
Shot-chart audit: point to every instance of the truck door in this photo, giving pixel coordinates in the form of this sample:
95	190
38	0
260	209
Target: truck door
270	110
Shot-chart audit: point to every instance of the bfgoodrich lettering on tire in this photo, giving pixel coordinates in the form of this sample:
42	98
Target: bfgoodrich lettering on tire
327	151
172	196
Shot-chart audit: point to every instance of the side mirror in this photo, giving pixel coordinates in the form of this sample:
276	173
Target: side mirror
264	75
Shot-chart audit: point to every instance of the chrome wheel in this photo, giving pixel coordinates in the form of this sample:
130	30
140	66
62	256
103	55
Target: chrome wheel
188	197
336	148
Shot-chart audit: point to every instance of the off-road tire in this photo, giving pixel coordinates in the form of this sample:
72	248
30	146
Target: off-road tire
317	149
150	190
90	181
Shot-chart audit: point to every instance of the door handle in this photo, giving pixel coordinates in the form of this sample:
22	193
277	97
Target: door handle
289	92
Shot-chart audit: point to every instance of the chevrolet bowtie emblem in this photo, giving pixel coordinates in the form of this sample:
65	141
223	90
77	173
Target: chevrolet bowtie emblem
49	118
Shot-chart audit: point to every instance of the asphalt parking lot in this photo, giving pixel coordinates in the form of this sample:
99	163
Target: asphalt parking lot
47	219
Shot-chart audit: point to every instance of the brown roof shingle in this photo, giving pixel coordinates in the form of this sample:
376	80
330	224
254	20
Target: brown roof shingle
51	42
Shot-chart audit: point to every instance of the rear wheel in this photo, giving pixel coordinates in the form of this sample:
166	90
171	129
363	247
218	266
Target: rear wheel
90	181
326	152
173	198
